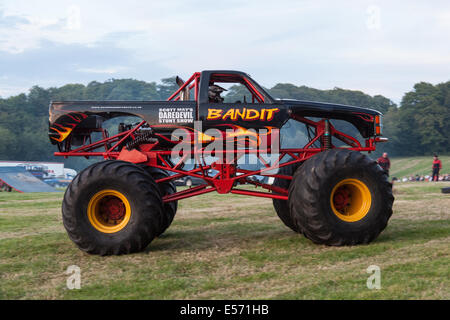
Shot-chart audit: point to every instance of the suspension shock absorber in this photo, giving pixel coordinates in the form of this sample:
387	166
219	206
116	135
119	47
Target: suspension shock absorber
145	137
326	138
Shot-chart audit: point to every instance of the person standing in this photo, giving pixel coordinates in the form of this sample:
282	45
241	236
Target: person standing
384	162
437	166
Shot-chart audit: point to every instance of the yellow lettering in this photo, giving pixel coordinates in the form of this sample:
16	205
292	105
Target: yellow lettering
263	111
214	114
271	112
249	115
229	113
240	114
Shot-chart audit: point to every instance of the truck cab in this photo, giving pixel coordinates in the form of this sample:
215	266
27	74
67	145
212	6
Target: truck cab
199	99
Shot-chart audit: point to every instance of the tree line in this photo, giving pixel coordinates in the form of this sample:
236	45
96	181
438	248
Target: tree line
420	125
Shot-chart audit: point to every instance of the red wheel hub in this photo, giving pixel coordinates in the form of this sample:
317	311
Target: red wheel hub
113	208
341	198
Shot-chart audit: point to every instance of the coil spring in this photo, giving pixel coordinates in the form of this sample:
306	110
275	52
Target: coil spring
142	138
326	140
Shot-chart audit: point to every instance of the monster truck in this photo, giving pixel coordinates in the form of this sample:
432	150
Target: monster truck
325	189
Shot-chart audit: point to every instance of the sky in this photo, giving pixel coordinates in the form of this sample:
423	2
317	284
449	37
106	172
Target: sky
379	47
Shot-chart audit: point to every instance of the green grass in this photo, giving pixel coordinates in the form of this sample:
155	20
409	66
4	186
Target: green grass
405	167
229	247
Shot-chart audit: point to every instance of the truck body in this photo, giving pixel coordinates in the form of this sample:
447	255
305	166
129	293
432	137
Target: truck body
152	145
72	116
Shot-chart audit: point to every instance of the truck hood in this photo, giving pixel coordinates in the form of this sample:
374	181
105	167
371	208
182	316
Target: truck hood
362	118
326	107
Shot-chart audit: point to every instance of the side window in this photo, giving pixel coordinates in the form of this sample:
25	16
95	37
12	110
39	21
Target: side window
230	93
238	93
229	88
215	93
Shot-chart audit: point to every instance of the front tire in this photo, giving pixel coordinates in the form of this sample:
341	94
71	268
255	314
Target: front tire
340	197
112	207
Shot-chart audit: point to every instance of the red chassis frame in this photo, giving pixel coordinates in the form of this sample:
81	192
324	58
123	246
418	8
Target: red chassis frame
226	179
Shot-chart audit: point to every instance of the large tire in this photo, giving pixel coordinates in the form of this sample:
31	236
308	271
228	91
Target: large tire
340	197
165	188
112	207
282	206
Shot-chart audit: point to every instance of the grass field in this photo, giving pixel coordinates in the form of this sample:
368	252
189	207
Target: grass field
404	167
229	247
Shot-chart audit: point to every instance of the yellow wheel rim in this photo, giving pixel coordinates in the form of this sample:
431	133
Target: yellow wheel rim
109	211
350	200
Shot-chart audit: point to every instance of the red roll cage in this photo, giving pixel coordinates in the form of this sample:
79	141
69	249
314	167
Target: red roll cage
227	176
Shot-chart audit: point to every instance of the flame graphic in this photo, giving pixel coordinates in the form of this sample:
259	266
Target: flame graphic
244	137
364	116
63	133
67	123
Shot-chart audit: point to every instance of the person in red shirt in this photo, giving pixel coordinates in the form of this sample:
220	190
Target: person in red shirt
384	162
437	166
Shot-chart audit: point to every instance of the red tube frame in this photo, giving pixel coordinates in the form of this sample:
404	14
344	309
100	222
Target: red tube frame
228	174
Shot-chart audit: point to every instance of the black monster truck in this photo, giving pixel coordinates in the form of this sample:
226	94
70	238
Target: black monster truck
325	189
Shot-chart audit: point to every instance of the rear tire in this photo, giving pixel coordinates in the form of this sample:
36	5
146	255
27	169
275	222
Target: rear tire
282	206
112	207
165	188
340	197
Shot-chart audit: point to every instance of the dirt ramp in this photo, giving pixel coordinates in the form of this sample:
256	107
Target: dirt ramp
21	180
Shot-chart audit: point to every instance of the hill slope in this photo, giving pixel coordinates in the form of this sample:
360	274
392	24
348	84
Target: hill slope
401	167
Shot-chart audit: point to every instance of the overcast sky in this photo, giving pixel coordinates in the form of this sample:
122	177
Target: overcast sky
379	47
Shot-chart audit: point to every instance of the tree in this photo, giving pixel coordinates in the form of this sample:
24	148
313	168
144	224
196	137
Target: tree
167	87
